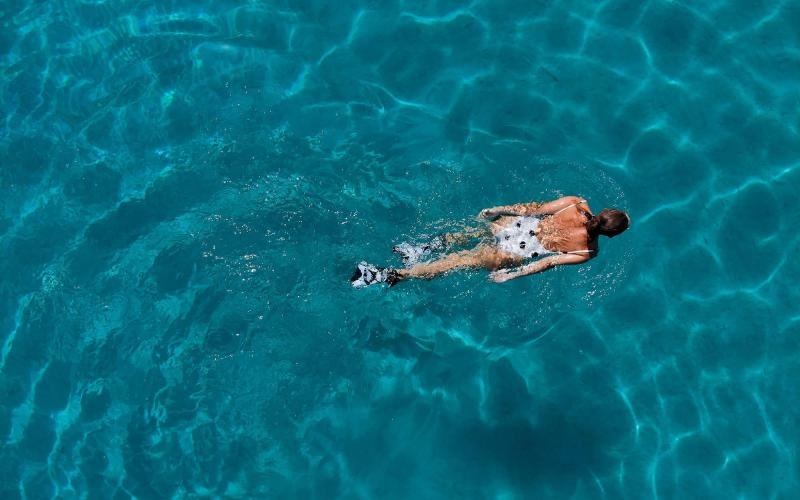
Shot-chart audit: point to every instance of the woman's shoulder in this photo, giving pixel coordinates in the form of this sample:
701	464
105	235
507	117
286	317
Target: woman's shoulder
577	201
568	200
580	201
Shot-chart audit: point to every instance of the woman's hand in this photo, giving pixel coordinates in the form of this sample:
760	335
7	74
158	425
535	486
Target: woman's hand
489	213
503	275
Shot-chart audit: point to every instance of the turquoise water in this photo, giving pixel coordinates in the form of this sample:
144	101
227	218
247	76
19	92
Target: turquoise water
186	187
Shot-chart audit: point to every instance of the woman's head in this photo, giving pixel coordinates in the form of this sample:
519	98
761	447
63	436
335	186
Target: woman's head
610	222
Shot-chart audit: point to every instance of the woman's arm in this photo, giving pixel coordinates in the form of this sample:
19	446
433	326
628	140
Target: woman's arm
516	209
502	275
529	208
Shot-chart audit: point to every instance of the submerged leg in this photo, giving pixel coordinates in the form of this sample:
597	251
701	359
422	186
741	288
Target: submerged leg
483	256
463	237
412	254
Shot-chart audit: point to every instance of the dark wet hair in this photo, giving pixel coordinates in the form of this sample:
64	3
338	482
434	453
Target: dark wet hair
610	222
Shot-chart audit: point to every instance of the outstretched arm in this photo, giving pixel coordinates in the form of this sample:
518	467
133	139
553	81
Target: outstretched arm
502	275
529	208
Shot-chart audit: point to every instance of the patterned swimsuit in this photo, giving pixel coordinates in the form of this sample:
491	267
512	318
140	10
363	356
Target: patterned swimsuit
519	238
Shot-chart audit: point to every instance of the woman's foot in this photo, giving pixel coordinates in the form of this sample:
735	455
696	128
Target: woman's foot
367	274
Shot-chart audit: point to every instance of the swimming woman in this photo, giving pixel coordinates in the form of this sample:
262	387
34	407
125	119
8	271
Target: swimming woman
518	240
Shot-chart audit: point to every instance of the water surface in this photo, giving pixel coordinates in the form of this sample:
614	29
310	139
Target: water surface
186	186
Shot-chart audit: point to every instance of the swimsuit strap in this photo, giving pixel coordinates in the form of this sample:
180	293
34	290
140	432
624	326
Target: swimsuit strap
569	206
580	251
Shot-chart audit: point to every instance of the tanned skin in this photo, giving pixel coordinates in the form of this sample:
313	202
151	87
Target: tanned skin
563	232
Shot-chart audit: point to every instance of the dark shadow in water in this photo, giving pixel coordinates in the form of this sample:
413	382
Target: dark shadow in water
553	454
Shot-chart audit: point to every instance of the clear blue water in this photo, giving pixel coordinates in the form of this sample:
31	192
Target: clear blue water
186	186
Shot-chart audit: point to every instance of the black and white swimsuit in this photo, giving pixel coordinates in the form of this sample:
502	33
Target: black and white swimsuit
520	237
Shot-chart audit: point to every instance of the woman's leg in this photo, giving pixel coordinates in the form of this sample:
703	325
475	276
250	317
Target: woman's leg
412	254
483	256
463	237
